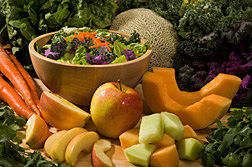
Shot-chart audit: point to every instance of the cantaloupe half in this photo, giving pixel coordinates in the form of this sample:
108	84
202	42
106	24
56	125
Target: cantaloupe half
197	109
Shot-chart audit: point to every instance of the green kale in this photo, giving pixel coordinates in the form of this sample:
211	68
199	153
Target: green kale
231	144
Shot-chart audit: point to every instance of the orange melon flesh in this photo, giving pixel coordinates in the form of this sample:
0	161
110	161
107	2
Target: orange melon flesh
173	90
198	109
165	141
223	85
203	113
189	132
155	93
129	138
165	157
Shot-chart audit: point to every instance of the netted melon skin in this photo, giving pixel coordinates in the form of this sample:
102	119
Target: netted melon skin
159	32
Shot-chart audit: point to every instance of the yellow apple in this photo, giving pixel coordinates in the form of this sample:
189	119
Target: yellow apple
99	158
51	140
61	113
115	108
59	147
37	131
82	142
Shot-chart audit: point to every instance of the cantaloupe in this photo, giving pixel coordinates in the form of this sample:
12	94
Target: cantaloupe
155	90
189	132
203	113
158	31
165	157
173	89
165	141
217	86
129	138
197	109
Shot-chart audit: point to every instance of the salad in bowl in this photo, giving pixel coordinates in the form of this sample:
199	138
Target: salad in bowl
86	46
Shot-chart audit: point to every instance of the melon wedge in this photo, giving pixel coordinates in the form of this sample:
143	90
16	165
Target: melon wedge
173	90
205	112
223	84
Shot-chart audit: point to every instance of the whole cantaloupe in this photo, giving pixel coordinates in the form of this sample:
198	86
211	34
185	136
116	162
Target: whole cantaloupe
158	31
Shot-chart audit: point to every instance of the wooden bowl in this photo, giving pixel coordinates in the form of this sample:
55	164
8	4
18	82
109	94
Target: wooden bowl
77	83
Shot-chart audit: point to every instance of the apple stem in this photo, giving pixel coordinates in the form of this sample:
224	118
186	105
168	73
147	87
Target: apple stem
120	85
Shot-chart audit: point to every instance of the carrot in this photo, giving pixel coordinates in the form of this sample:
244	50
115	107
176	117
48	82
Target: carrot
11	72
10	96
27	78
94	46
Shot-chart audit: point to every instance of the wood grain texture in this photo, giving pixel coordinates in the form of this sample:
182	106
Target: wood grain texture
77	83
116	153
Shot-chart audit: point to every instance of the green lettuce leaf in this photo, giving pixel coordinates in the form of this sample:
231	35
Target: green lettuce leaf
67	58
120	59
80	56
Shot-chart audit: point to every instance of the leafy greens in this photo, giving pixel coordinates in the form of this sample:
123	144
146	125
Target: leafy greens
230	145
85	46
21	20
11	154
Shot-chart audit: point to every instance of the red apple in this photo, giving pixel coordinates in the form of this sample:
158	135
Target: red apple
99	158
115	108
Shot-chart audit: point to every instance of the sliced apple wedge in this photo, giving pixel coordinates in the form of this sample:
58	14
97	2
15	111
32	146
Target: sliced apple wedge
82	142
37	131
59	147
51	140
99	158
61	113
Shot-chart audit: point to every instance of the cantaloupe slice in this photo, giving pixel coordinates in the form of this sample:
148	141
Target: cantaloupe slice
197	109
165	141
165	157
189	132
129	138
173	89
204	113
223	84
155	94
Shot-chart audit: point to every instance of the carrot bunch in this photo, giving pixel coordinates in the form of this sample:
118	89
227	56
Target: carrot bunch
24	99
